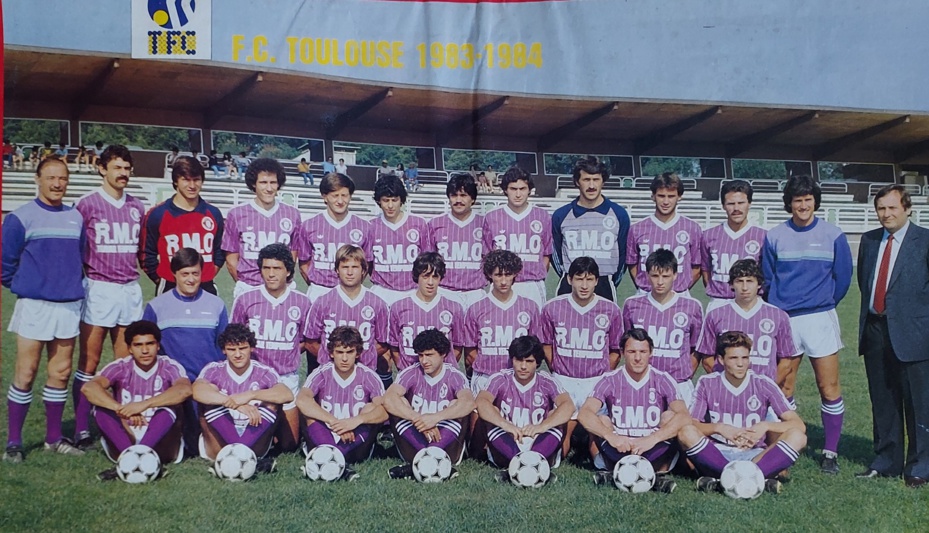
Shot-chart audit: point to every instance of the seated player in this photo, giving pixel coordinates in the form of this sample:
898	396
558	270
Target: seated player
341	401
644	413
729	419
672	319
429	404
239	398
524	409
424	308
138	399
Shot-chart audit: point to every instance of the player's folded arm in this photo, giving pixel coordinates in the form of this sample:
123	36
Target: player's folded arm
458	408
176	394
561	414
279	394
395	402
96	392
587	416
208	393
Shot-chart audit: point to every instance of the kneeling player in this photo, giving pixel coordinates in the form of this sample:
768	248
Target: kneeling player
729	419
137	399
429	404
644	410
239	398
338	401
524	409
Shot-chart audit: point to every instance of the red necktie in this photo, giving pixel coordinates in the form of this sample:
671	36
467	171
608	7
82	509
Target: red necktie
880	290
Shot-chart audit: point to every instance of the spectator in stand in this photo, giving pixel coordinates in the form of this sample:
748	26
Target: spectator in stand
17	157
8	150
83	156
342	168
231	170
411	178
34	156
483	183
175	151
328	167
491	176
241	162
304	169
383	170
62	152
47	151
214	164
97	152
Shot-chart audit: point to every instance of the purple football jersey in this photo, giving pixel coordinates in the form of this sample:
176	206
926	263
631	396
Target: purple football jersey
460	245
491	325
250	227
277	323
680	235
430	395
522	405
367	313
635	407
765	324
721	248
256	377
410	316
674	328
111	247
581	337
344	398
718	401
320	237
528	235
394	247
131	384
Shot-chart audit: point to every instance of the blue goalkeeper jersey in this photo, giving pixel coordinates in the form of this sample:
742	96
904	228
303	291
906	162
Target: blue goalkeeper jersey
599	233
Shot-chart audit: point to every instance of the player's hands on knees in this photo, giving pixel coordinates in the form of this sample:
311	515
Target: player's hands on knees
515	431
425	422
531	430
241	398
642	444
348	436
619	442
344	426
254	416
137	421
131	409
432	435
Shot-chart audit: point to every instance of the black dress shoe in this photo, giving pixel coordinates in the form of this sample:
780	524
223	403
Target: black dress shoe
914	482
870	473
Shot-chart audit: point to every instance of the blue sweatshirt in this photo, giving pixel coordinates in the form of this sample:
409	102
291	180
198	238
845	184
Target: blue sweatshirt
807	270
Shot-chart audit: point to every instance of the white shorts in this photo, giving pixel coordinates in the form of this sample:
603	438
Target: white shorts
818	334
389	295
685	391
292	381
41	320
578	389
479	382
465	298
534	290
111	304
241	288
731	453
313	292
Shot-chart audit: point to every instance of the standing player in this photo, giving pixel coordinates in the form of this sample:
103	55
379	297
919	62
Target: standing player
341	401
183	221
581	332
643	409
113	297
323	234
394	242
525	230
673	322
42	242
808	269
424	309
667	230
138	399
277	315
729	419
769	328
429	404
256	224
457	237
524	409
730	241
591	226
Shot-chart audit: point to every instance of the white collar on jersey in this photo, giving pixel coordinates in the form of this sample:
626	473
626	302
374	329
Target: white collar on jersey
404	216
143	374
461	223
424	305
344	382
527	386
668	224
675	296
271	299
735	234
335	223
751	312
503	305
582	309
438	377
245	375
348	299
266	212
117	203
517	216
637	384
741	388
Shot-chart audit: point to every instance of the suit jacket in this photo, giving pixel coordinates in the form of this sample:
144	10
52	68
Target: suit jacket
907	300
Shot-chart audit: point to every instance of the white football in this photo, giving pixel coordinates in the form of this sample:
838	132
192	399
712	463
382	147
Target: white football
742	480
432	465
138	464
529	469
324	463
235	462
634	473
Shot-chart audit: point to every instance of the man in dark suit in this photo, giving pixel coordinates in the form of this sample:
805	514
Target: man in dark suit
893	275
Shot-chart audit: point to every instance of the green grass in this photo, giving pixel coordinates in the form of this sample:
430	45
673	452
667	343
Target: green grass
53	493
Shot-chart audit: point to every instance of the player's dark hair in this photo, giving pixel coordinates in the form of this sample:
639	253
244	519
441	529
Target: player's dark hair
51	161
280	252
348	251
141	327
746	268
514	174
114	151
264	164
584	265
431	339
428	262
505	260
667	180
461	181
389	186
184	258
525	347
188	167
236	334
741	186
334	181
905	200
346	336
801	185
661	259
590	165
732	339
636	334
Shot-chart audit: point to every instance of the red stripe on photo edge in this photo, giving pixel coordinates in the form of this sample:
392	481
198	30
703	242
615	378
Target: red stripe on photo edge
1	99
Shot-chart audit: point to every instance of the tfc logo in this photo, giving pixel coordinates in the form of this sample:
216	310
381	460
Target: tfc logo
135	215
766	326
207	223
523	318
602	321
356	235
286	225
367	312
752	248
680	319
358	393
536	226
682	237
294	312
412	235
753	403
478	234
